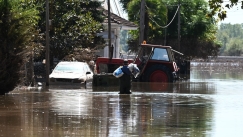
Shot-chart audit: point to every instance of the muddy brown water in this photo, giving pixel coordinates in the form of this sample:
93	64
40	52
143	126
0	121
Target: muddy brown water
208	105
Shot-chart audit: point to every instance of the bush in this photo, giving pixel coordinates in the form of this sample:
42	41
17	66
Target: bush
18	22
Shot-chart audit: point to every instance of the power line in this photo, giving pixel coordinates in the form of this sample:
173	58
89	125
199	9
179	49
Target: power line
178	6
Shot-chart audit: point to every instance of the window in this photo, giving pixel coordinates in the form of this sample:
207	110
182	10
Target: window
103	68
77	68
160	54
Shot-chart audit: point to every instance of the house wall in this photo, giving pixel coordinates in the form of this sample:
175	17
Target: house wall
115	41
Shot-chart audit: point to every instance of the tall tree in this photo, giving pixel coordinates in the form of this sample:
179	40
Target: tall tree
18	21
74	24
234	48
230	35
197	32
155	15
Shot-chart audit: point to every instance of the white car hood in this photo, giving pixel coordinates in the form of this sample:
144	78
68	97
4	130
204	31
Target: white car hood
67	75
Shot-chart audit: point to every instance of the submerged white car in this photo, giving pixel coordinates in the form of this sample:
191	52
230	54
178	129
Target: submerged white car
68	72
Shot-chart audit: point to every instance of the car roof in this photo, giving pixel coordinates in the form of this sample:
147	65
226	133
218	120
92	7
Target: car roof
155	46
71	63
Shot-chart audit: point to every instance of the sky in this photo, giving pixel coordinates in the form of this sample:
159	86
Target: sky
234	15
116	8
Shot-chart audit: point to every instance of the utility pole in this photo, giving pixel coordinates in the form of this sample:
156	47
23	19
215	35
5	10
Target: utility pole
179	25
47	44
142	12
165	30
179	32
109	31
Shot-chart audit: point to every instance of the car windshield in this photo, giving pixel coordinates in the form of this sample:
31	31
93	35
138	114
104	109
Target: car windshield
160	54
75	68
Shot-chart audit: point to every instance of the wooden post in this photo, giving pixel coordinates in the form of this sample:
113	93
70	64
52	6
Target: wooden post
142	11
109	31
47	44
179	25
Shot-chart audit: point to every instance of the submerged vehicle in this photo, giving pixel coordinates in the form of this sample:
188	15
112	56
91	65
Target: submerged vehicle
103	71
106	65
155	62
70	72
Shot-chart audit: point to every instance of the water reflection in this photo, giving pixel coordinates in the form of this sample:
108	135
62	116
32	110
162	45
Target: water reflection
219	70
178	87
138	114
205	105
70	102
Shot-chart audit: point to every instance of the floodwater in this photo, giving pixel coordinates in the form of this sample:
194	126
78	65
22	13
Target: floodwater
208	105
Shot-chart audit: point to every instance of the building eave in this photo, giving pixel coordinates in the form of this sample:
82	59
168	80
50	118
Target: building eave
119	21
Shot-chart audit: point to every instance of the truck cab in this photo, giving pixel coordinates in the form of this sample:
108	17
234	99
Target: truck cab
156	63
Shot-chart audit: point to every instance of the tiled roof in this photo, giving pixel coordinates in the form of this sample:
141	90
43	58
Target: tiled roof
119	20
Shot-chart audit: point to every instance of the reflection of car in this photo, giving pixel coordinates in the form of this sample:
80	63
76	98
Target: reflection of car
71	73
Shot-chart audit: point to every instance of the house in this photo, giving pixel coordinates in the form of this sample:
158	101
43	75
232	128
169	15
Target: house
117	24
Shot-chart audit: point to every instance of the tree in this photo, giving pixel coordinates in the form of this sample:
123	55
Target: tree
155	15
230	35
218	8
225	38
18	21
74	25
124	4
234	48
155	12
196	31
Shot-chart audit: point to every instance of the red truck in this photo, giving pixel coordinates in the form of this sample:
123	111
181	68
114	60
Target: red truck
155	62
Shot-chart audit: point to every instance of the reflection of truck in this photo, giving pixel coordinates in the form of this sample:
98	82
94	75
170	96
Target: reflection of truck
156	64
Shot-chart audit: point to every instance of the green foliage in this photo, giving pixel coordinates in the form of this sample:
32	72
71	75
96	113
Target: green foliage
18	32
196	29
235	47
74	24
231	37
124	4
155	16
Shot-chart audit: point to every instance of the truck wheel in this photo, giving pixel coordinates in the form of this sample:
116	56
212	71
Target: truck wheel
158	73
